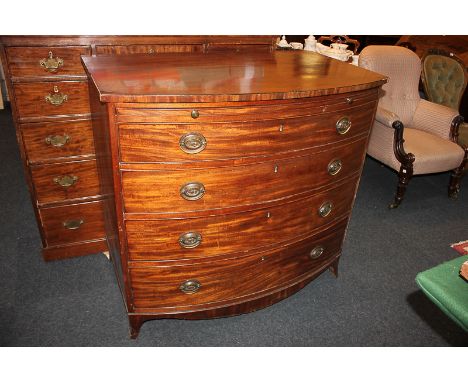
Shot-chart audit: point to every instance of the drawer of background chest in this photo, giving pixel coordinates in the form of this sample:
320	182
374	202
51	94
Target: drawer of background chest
46	61
177	239
57	140
58	182
201	113
209	141
224	280
190	189
73	223
148	48
37	100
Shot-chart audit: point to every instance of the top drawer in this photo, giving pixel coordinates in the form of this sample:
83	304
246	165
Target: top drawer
46	61
241	112
150	49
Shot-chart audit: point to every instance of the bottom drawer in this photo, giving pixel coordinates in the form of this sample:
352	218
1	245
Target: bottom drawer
73	223
187	286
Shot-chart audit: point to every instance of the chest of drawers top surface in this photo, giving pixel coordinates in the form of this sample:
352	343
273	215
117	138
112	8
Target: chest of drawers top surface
224	77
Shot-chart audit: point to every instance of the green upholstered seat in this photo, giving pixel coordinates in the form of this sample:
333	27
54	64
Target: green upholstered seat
445	288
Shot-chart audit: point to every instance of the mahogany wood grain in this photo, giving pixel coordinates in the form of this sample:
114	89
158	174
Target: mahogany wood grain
68	250
222	77
234	308
49	191
238	232
56	233
224	280
20	58
80	143
241	111
30	99
254	184
149	48
260	238
157	143
24	61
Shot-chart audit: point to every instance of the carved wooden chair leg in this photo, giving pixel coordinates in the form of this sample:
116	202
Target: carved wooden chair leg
404	176
455	177
406	160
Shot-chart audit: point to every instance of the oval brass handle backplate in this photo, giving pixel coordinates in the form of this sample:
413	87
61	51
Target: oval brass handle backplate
66	180
73	224
51	64
190	286
325	209
192	191
334	167
192	143
343	125
190	240
57	140
316	252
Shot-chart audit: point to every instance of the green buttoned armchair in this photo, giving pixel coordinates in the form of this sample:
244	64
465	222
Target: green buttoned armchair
444	77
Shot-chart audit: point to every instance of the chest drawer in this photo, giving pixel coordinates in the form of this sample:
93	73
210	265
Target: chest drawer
202	113
189	189
210	141
74	223
177	239
46	61
224	280
49	99
148	48
52	141
58	182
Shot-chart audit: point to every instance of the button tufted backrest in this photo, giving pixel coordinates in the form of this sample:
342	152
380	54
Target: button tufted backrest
403	69
444	79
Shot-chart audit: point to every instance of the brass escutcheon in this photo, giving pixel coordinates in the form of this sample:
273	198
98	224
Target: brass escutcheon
57	98
334	167
325	209
190	240
57	140
195	114
192	191
190	286
316	252
51	64
66	180
343	125
73	224
192	143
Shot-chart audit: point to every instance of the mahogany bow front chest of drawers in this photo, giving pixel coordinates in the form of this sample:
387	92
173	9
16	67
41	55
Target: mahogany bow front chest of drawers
229	178
48	89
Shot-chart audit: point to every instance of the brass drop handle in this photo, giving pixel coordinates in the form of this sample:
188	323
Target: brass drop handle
51	64
57	140
190	286
73	224
325	209
66	180
195	114
192	143
316	252
56	98
343	125
190	240
334	167
192	191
